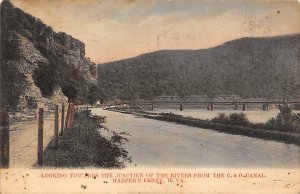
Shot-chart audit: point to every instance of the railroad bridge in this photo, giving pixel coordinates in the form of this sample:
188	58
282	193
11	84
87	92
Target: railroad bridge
235	100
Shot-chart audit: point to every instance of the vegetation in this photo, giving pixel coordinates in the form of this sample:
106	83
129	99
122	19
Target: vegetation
234	119
83	146
9	93
249	67
59	73
286	120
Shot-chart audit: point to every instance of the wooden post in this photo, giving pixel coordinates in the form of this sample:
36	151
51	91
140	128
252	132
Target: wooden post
56	128
212	106
87	110
4	137
40	137
236	107
208	107
68	117
264	107
244	107
181	106
62	119
72	113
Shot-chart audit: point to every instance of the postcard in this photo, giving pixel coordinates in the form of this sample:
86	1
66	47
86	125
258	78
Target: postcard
150	96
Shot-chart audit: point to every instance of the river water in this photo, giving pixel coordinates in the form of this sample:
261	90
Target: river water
155	143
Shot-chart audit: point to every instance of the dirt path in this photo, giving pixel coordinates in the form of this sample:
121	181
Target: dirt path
23	141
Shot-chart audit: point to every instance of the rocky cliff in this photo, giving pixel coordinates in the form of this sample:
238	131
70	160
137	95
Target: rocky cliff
39	65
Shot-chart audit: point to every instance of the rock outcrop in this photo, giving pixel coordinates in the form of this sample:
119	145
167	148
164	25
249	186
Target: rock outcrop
39	65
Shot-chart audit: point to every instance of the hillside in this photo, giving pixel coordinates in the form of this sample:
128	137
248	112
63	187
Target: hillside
266	67
39	65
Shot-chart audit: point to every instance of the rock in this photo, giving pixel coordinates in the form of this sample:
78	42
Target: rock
39	64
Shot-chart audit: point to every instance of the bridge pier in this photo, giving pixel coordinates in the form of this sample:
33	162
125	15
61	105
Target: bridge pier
236	107
152	106
181	106
212	106
265	107
244	107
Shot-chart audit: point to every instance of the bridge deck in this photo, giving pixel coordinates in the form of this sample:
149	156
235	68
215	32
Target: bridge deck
212	102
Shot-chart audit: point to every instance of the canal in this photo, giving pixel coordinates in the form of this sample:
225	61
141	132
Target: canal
155	143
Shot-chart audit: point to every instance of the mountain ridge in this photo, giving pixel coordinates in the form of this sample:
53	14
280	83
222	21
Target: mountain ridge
217	69
202	49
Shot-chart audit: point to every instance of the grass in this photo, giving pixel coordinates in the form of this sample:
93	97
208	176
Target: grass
83	146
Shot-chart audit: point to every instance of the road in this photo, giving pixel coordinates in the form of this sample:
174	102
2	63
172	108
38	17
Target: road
23	141
155	143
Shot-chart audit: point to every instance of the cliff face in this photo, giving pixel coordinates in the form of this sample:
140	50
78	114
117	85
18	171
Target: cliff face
38	64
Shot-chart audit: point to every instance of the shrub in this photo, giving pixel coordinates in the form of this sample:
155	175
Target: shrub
222	117
238	118
286	119
234	119
171	115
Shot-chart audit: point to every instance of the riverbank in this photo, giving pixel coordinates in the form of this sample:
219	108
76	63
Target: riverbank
83	146
266	134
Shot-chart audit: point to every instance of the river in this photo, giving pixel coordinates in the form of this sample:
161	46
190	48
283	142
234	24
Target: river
155	143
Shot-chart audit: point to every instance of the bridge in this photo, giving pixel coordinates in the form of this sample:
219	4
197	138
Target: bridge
210	104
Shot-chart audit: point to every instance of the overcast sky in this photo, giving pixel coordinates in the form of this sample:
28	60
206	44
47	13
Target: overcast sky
114	30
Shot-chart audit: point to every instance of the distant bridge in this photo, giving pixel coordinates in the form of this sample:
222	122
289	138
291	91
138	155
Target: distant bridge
211	104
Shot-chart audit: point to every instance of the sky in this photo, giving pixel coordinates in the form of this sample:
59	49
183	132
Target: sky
119	29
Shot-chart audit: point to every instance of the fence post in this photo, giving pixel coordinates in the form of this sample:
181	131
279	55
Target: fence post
56	128
72	114
62	119
4	137
40	137
68	117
